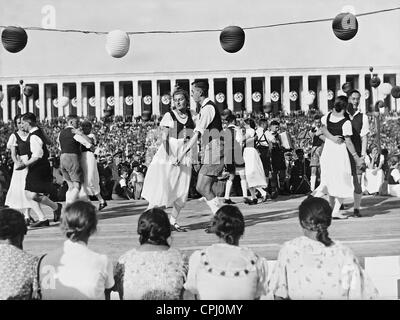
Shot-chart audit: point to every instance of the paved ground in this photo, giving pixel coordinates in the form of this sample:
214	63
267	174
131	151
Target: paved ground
268	225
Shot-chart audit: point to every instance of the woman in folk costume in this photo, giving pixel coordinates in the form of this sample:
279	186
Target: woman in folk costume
91	179
16	197
254	169
167	184
373	176
336	178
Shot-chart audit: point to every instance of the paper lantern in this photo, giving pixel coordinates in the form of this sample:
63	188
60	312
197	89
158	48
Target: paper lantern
345	26
309	99
375	81
1	96
385	88
347	87
117	44
28	91
232	39
14	39
395	92
340	93
62	102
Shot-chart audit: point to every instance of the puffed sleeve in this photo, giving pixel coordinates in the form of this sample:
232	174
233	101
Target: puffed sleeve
262	270
356	283
167	121
347	129
12	141
278	283
191	280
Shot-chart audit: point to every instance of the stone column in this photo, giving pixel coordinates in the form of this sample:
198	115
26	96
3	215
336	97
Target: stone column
31	103
229	92
304	82
79	110
342	80
49	102
42	101
98	110
4	103
249	101
13	107
155	97
117	110
137	110
85	102
103	100
59	95
267	89
121	95
323	95
286	95
211	93
66	109
361	88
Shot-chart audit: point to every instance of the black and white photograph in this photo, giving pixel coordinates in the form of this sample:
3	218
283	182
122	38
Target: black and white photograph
216	150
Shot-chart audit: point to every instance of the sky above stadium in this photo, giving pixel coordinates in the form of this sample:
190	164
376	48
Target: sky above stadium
295	46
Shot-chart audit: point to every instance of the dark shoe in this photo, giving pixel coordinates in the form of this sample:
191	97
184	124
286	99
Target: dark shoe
253	202
342	207
31	220
176	227
246	200
274	195
57	212
38	224
102	205
229	201
356	213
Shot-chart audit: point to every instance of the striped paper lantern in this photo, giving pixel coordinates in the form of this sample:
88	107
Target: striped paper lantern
117	44
232	39
62	102
395	92
28	91
345	26
385	88
375	81
14	39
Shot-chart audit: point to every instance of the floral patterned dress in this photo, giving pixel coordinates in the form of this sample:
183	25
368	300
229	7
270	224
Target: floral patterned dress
151	275
307	269
227	272
18	270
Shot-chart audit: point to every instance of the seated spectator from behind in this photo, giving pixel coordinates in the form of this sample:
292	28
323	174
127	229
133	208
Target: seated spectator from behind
313	266
74	272
394	177
225	270
154	270
17	267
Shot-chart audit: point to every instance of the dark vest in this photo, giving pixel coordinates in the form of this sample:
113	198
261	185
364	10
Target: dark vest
179	129
357	124
390	178
68	143
23	146
335	128
214	127
316	141
45	156
235	149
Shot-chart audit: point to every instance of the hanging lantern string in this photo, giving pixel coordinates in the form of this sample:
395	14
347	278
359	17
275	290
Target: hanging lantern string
204	30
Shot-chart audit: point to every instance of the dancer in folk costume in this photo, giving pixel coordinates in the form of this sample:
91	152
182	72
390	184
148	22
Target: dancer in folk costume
318	140
91	179
209	127
70	141
336	178
165	183
39	177
254	169
19	147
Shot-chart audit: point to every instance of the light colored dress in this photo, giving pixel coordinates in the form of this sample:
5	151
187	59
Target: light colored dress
91	181
373	182
254	169
336	178
166	183
394	189
226	272
151	275
307	269
74	272
16	196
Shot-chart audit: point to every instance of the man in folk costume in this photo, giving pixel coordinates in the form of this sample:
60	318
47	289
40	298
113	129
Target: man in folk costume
208	127
39	176
263	146
70	141
360	128
318	140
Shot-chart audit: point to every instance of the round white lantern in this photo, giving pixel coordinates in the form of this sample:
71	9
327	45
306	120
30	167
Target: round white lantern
117	44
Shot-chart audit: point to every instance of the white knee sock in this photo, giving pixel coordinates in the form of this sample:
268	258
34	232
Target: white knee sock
262	191
243	184
213	204
228	188
336	208
252	193
313	181
357	200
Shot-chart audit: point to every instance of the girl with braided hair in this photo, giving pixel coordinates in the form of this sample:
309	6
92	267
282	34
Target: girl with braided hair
314	266
225	270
